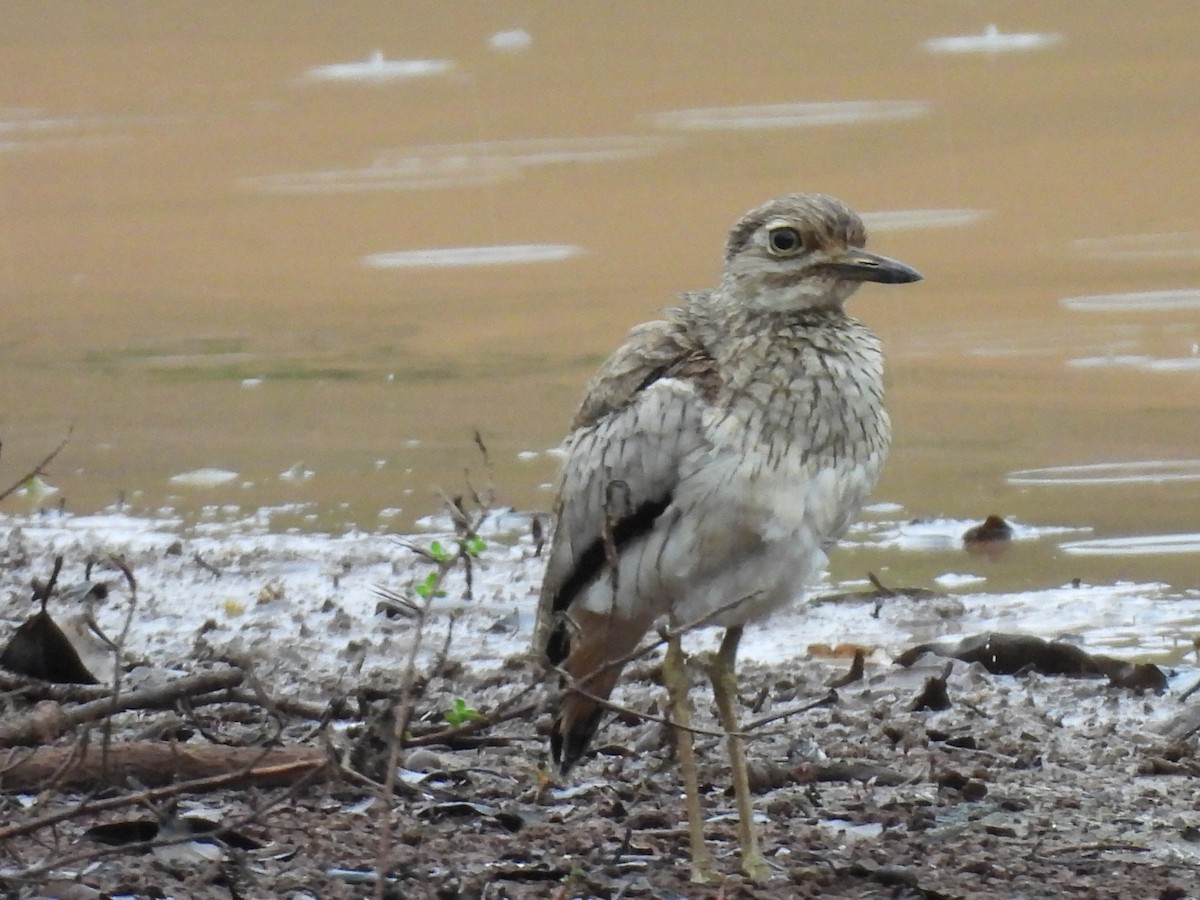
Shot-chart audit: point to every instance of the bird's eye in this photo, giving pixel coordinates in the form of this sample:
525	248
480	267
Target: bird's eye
784	241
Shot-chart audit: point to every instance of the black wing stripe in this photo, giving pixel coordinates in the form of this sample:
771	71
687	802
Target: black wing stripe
592	563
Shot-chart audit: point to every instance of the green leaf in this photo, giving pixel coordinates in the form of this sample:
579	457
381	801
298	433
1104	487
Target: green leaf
430	587
460	713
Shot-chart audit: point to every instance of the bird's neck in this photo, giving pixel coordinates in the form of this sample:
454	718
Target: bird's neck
726	328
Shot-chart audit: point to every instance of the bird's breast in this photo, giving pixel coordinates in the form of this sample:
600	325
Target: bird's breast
798	444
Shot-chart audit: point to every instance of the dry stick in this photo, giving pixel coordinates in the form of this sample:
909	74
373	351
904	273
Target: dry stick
400	715
828	700
118	649
153	795
18	730
148	797
146	763
38	470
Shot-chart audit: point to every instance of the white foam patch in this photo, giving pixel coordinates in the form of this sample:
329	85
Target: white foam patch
993	40
1141	545
449	257
900	219
791	115
377	68
1142	301
1150	471
203	478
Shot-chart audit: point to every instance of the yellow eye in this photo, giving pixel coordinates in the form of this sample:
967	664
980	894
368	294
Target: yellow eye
784	241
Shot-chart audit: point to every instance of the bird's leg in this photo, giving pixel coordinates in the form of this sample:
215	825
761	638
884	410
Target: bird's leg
722	672
675	676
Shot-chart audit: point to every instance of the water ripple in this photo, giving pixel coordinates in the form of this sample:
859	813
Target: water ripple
1141	545
791	115
1140	301
445	257
993	40
376	68
1153	471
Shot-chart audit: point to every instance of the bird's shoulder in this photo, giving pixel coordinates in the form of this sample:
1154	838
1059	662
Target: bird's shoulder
655	351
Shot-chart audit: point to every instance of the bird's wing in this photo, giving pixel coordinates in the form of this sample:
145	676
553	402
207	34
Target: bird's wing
640	416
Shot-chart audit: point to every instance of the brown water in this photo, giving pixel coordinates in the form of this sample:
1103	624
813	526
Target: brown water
182	209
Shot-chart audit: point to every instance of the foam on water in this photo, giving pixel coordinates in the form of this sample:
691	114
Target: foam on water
791	115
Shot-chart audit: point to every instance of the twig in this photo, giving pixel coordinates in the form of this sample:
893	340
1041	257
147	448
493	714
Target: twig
41	723
158	794
38	470
118	650
828	700
147	797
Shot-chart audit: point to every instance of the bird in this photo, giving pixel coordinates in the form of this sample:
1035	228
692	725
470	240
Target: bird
717	456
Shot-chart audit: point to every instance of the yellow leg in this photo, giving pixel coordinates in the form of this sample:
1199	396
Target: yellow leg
675	676
723	673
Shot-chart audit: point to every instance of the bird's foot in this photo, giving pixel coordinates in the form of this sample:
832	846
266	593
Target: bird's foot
755	866
703	871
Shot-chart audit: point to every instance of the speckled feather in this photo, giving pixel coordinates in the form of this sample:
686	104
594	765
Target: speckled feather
725	448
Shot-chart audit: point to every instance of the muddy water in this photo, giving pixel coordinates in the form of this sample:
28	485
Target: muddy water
212	222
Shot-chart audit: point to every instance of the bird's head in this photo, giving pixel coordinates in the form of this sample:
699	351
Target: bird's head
803	251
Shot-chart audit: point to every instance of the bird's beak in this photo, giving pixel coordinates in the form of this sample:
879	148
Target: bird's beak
862	265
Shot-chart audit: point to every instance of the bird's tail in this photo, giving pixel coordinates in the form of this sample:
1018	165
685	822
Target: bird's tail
596	643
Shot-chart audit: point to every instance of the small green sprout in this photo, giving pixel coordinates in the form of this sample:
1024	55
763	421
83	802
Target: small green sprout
474	545
439	553
460	714
430	587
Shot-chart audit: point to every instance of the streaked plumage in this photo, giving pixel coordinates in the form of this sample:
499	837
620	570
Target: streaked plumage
723	449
